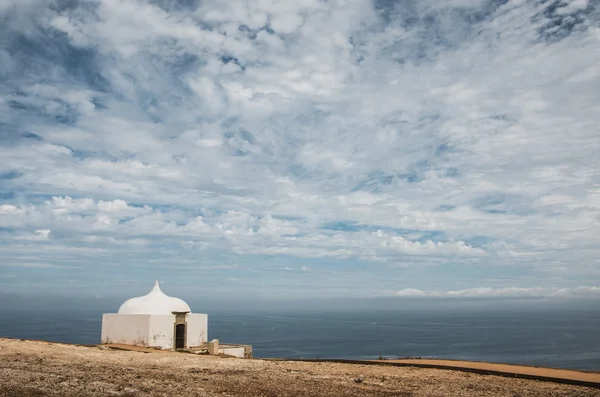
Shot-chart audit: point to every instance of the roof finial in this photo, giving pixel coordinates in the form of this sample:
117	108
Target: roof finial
156	287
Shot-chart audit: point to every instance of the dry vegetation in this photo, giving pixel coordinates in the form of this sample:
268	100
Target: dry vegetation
31	368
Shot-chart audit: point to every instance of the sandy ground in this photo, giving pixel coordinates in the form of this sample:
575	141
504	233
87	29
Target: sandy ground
33	368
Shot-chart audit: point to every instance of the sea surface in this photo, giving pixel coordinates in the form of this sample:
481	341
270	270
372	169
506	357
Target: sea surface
550	338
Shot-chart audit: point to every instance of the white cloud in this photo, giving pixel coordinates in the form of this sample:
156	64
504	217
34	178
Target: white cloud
511	292
43	234
419	133
410	292
427	248
573	5
32	265
243	232
9	209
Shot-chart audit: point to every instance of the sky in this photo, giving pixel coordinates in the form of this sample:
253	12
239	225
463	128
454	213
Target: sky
300	149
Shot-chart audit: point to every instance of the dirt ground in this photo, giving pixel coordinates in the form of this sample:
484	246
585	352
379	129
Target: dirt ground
591	377
34	368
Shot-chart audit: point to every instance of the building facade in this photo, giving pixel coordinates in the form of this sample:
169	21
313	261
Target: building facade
155	320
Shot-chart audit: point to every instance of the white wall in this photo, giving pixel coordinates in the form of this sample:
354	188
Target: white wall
127	329
156	330
233	351
161	331
197	329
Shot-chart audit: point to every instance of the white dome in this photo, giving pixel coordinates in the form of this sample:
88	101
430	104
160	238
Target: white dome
156	302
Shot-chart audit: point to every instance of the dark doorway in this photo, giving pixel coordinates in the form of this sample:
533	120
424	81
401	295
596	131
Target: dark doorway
179	336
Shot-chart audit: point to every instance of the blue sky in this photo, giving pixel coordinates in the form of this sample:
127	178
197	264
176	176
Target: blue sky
322	149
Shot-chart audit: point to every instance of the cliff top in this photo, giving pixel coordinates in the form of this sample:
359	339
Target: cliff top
37	368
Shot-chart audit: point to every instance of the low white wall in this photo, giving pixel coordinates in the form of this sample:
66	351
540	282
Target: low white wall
127	329
197	329
161	331
233	351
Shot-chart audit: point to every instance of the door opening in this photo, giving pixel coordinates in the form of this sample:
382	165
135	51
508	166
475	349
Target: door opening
179	336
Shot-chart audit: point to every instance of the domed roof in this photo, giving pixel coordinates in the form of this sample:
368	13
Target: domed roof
155	302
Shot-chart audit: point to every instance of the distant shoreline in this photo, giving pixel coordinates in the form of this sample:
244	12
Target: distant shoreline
564	376
401	360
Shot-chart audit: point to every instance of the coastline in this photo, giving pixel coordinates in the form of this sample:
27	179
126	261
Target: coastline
38	368
564	376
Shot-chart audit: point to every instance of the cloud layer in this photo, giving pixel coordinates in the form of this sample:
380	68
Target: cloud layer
436	145
486	292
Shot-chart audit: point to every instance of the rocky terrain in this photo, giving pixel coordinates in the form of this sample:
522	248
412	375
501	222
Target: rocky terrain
35	368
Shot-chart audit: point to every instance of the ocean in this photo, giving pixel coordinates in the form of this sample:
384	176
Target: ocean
549	338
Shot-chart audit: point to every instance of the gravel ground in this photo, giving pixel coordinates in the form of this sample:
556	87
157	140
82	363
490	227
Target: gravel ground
33	368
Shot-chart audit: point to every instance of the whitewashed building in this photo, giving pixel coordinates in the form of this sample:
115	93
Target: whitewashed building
155	320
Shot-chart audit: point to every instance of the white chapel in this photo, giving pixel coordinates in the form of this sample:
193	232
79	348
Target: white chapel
155	320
